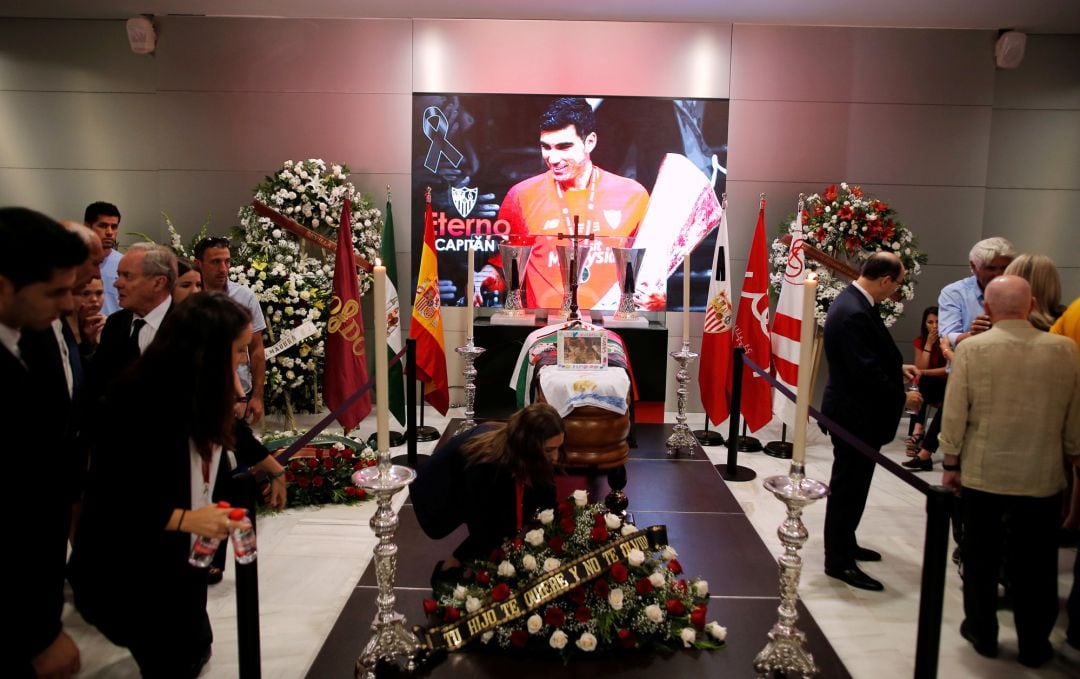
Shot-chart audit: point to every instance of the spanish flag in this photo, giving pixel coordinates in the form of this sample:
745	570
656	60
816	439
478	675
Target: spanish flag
427	327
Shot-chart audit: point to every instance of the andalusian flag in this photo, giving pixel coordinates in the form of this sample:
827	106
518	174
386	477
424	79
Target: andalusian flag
427	327
393	317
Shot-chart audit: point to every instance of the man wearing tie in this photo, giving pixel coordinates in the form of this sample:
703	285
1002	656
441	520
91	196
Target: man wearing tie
38	263
865	396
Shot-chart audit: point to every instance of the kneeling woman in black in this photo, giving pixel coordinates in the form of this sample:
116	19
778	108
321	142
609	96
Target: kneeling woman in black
155	465
492	479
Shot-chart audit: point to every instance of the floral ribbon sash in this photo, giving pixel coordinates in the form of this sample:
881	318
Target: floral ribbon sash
548	587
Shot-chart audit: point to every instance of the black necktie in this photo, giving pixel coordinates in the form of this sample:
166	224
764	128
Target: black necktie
133	341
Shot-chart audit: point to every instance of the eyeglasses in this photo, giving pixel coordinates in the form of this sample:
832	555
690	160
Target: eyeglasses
210	242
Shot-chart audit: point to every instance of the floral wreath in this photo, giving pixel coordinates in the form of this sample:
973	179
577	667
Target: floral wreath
845	223
321	472
638	602
293	285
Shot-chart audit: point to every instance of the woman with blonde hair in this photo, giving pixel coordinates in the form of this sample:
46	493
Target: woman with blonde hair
1039	271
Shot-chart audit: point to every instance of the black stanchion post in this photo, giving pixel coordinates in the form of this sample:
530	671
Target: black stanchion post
932	595
247	619
732	471
410	459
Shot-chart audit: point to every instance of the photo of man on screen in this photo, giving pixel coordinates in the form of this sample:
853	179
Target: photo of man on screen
608	207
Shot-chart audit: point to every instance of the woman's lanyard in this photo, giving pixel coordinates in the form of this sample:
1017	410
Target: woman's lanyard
519	489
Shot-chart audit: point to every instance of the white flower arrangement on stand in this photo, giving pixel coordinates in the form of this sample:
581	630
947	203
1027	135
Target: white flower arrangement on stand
292	279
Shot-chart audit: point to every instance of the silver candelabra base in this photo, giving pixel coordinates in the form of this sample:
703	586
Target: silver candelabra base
682	437
469	353
786	651
392	643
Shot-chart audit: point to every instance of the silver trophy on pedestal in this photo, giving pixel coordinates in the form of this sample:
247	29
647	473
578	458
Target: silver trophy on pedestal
627	263
392	642
514	260
571	260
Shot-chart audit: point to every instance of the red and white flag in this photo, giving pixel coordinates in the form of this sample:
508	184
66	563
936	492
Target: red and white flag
752	330
714	373
346	358
787	324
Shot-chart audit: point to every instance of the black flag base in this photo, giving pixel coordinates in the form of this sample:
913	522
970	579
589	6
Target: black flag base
396	439
735	472
780	449
425	433
749	444
707	437
404	461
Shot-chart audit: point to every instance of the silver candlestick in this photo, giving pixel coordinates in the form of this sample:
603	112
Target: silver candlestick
786	651
469	353
682	437
392	642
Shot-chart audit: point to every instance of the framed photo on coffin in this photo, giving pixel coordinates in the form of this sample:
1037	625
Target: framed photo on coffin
582	349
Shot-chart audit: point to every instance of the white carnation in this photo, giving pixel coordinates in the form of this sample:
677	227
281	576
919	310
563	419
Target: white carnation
459	593
534	624
487	636
628	528
535	537
716	631
615	599
550	564
657	579
654	614
701	588
581	498
612	521
528	562
546	516
668	553
506	569
636	557
472	604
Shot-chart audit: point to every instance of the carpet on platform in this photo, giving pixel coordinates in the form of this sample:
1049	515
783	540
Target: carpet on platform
705	523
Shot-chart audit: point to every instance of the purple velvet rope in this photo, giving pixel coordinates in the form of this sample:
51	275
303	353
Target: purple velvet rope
849	438
299	443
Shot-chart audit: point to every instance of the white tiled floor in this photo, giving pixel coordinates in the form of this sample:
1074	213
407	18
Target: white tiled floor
309	560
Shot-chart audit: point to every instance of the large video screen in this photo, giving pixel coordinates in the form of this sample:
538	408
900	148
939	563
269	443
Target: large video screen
504	169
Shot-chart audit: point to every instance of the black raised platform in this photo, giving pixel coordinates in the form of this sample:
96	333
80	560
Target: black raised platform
705	524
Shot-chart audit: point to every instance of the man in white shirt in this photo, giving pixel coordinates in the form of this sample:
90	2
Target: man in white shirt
104	219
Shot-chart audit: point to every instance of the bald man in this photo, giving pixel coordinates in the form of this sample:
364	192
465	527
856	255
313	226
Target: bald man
1011	418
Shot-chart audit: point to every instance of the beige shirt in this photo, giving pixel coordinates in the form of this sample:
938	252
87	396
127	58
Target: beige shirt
1012	410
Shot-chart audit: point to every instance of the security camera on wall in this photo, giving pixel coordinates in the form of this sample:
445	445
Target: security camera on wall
1009	50
141	35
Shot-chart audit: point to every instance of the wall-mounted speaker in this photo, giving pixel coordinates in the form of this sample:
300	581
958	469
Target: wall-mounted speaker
1009	50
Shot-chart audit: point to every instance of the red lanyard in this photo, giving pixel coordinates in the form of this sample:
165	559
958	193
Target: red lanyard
519	488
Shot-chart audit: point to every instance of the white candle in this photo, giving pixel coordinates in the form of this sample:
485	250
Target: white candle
686	299
382	375
806	352
469	293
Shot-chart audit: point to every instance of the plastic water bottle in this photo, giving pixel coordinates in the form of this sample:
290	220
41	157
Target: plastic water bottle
243	536
202	552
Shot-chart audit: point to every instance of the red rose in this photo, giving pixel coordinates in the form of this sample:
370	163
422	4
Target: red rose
347	454
598	520
303	482
567	524
430	606
483	577
318	453
290	477
317	481
697	617
643	586
599	534
451	614
583	614
360	464
566	508
500	591
680	585
619	573
517	544
295	465
312	463
675	607
554	616
674	566
361	493
627	638
556	544
601	589
328	463
371	462
350	491
518	638
577	595
497	554
830	193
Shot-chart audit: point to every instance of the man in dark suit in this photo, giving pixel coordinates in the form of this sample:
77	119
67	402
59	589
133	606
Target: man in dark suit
864	395
38	263
145	278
